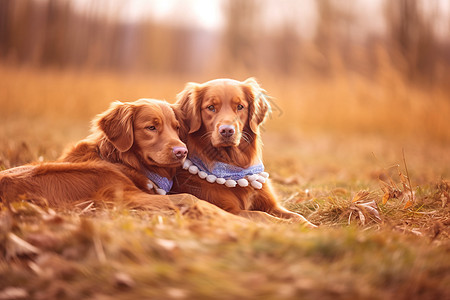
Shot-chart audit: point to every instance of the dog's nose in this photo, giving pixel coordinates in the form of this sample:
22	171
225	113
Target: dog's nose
180	152
226	130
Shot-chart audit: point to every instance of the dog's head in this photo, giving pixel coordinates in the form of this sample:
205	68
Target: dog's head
228	111
145	128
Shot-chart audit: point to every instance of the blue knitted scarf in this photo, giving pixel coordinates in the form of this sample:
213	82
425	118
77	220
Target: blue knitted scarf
227	171
162	182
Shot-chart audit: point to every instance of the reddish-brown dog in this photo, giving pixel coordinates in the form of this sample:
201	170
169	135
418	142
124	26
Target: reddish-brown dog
132	153
221	128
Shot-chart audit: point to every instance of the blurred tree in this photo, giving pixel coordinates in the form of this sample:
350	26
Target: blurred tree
17	18
287	50
54	33
5	24
242	37
332	37
55	41
410	33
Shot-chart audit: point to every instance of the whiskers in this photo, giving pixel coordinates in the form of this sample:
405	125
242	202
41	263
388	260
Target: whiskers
247	137
206	137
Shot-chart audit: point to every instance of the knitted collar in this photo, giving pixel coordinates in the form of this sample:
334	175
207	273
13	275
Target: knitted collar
227	174
163	184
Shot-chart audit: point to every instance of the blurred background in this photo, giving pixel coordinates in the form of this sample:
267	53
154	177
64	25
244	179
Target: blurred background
198	38
370	68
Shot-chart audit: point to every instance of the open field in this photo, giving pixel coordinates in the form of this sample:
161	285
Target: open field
327	145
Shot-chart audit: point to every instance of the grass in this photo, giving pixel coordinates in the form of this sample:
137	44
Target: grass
326	143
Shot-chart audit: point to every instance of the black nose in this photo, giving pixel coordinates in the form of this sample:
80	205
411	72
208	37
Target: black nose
226	130
180	152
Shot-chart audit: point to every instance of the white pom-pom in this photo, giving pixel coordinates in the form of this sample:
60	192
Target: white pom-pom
187	163
221	180
256	184
252	177
193	169
242	182
230	183
202	174
211	178
150	185
160	191
264	174
261	179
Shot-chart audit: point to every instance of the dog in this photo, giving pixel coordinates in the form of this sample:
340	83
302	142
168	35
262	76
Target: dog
221	128
131	157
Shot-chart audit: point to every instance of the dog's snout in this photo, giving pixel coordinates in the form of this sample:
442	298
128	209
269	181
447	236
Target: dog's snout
227	130
180	152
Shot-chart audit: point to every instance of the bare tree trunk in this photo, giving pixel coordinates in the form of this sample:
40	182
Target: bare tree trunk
410	33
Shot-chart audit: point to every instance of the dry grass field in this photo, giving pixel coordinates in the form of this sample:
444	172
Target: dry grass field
334	148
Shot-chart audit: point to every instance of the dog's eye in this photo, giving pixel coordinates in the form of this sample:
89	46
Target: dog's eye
211	108
151	128
240	107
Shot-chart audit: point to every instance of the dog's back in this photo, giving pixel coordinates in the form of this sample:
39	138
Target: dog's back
60	183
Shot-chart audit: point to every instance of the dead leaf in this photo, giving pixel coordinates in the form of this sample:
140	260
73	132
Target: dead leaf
360	196
362	218
123	280
168	245
166	248
11	293
371	207
16	246
175	293
391	190
386	197
365	208
408	204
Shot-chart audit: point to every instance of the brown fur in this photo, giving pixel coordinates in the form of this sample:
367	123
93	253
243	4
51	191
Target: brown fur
200	131
108	164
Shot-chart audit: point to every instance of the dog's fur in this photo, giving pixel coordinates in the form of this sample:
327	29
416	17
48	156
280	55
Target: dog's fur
108	165
244	106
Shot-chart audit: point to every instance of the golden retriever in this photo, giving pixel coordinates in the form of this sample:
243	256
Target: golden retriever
133	152
221	128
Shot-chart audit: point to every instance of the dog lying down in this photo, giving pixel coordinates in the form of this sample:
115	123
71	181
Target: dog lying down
221	127
130	158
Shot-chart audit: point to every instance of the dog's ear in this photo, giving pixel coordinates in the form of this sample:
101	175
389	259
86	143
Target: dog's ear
259	107
179	115
189	101
117	124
